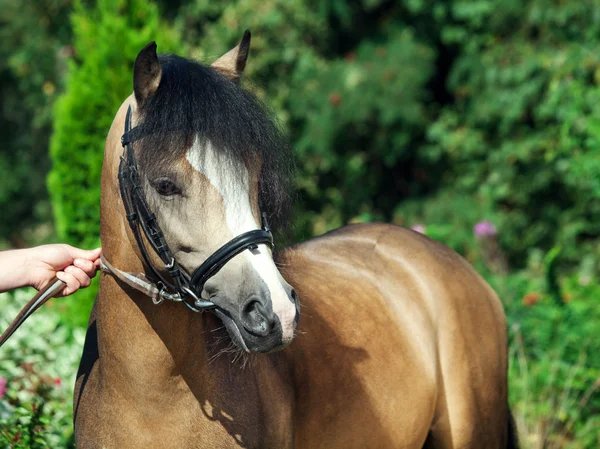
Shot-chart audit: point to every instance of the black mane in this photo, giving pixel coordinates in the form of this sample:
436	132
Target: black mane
193	99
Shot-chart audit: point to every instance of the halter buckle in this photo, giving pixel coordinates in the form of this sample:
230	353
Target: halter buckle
162	294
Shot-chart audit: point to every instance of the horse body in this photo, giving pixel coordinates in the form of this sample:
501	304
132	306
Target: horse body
400	345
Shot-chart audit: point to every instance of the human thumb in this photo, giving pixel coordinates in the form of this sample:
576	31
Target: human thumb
88	254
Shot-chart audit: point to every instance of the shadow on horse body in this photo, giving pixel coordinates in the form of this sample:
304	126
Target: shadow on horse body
401	344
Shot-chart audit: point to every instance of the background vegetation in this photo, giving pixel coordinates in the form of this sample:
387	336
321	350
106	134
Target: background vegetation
476	122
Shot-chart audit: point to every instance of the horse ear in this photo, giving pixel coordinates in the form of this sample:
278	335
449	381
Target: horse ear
232	63
146	74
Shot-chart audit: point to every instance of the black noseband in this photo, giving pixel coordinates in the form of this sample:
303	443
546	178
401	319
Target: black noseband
187	288
212	265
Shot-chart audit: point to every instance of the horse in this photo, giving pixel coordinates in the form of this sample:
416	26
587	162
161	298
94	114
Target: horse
401	343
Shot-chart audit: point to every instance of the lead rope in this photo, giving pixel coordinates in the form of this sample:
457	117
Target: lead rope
157	291
56	286
51	289
140	283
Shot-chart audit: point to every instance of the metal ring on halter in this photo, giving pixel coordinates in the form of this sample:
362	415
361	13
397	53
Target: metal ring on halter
161	295
199	304
171	264
191	307
175	297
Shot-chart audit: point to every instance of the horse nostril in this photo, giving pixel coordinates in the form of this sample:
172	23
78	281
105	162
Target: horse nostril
256	317
296	302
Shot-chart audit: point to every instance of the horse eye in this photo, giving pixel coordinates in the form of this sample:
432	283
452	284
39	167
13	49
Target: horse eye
166	187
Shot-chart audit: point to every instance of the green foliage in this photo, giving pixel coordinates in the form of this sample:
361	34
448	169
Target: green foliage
408	112
351	144
431	103
554	402
107	40
555	363
522	127
32	35
442	222
38	363
351	88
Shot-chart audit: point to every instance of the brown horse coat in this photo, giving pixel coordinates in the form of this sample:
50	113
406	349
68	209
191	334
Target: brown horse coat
401	344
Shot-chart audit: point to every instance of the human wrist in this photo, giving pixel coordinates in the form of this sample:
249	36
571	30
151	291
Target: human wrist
14	265
24	266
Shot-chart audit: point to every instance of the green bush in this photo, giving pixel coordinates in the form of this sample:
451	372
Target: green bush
37	374
521	129
32	45
350	83
107	39
396	112
437	104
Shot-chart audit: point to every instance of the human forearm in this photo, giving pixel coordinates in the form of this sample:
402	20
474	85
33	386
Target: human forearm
13	269
38	265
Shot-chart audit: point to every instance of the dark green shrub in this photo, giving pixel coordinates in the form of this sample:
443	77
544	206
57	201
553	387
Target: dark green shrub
350	83
521	129
432	103
37	374
389	107
32	39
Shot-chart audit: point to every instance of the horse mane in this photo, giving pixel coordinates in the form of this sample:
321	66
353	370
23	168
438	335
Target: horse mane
194	100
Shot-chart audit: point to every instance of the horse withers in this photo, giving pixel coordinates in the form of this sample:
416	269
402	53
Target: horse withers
401	343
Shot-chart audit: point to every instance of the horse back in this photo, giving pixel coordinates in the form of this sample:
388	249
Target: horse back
397	334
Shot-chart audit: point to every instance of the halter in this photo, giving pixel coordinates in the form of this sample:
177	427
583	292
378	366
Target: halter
178	286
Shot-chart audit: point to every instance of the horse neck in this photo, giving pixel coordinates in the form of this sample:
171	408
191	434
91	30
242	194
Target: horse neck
137	338
143	346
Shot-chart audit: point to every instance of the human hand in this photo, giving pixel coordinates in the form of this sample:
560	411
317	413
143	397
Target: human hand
75	267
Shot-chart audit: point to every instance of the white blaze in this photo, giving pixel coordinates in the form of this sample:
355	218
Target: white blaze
238	214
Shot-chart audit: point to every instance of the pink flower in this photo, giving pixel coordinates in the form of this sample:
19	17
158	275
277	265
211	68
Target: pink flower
484	230
3	388
57	381
420	228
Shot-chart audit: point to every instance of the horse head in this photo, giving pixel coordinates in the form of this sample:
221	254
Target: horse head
211	167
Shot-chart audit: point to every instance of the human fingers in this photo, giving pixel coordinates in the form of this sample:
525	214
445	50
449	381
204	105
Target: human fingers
87	266
87	254
71	282
81	276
